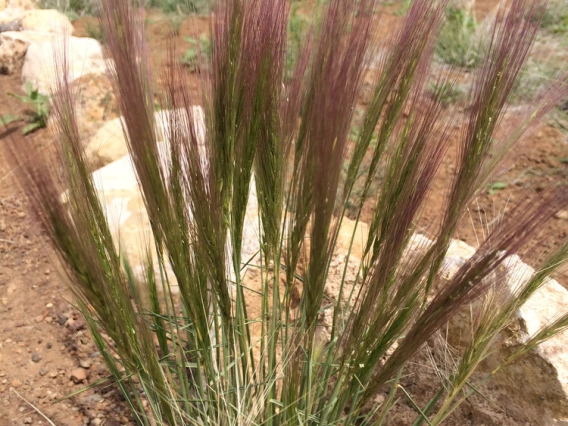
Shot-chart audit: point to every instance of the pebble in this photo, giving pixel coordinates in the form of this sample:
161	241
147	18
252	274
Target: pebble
79	375
48	345
28	421
562	214
36	357
61	319
16	383
85	363
94	398
49	305
42	372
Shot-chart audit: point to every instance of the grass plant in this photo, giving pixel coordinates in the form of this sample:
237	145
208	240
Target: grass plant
458	43
193	358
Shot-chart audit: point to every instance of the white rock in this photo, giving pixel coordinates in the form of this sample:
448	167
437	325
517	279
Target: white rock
119	193
95	104
540	378
19	4
85	56
11	14
542	375
109	142
14	46
457	255
128	220
47	20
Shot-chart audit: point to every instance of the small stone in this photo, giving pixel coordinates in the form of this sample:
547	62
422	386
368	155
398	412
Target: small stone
16	383
48	345
39	318
562	214
42	372
27	420
85	363
79	375
61	319
49	305
94	398
53	374
96	422
36	357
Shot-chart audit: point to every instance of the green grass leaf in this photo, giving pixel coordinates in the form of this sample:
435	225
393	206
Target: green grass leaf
9	118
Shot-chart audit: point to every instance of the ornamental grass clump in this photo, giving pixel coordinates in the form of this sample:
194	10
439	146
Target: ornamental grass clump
196	355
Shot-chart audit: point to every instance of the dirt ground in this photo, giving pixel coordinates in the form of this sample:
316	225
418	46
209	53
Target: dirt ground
46	357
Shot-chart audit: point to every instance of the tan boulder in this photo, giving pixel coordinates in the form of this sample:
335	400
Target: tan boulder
85	56
14	46
347	232
539	380
95	105
19	4
47	20
108	144
10	15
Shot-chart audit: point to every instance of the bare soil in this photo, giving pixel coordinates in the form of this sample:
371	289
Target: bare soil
47	360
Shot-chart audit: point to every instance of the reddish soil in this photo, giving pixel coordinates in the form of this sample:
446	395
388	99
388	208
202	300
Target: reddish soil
42	338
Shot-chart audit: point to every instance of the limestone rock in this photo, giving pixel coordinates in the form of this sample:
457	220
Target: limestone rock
11	14
119	192
538	380
124	206
95	105
14	25
457	255
14	46
346	235
85	56
109	143
47	20
19	4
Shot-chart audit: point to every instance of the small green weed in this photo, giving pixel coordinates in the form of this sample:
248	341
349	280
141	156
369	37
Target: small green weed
37	116
201	46
447	93
496	186
175	20
537	74
458	44
555	18
181	6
